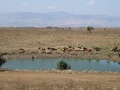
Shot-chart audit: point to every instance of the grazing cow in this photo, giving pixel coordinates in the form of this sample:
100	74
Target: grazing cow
70	46
48	52
81	49
21	51
84	49
77	49
89	49
119	55
109	55
43	49
53	49
118	50
48	48
97	49
39	47
115	49
64	49
68	50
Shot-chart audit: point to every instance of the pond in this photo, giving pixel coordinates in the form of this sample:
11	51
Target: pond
51	63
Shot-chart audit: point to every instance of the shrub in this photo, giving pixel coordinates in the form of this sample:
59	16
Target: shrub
63	65
2	60
89	28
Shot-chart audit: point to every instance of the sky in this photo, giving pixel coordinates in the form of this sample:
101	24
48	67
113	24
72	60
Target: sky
94	7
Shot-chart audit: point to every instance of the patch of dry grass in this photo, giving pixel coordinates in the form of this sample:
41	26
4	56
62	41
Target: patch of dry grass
58	81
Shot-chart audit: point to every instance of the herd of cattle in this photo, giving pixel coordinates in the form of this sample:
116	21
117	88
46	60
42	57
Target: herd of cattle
116	49
67	50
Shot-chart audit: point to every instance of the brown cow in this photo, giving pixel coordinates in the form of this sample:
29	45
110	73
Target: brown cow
89	49
115	49
68	50
97	49
109	55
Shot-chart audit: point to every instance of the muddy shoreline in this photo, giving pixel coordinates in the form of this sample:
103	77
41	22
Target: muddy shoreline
61	71
77	56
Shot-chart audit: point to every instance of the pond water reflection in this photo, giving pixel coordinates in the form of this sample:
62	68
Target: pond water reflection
51	63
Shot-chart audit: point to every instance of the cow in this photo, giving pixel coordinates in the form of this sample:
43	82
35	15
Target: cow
97	49
115	49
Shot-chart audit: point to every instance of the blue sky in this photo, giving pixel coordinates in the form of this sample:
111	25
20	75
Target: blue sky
96	7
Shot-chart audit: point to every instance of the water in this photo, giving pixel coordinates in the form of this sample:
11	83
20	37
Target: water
51	63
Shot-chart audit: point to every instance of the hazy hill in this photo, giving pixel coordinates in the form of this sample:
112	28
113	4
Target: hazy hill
27	19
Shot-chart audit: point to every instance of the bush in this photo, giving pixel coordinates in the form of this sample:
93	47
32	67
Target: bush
2	60
89	28
63	65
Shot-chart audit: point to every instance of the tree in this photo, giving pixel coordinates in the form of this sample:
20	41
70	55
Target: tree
89	28
63	65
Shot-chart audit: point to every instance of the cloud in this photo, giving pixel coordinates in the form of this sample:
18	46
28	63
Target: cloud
51	7
25	4
91	2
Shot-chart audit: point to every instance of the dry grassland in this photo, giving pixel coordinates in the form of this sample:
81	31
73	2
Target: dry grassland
57	81
32	38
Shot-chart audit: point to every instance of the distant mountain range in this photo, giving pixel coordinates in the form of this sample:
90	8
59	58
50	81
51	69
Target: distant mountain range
57	19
